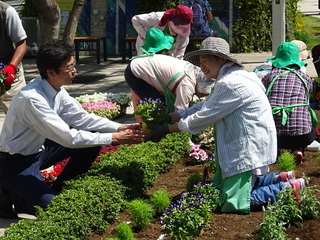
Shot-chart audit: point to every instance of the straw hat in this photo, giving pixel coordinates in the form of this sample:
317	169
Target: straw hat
179	20
211	46
287	54
156	41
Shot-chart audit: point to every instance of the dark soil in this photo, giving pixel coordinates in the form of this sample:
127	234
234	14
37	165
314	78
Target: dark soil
224	226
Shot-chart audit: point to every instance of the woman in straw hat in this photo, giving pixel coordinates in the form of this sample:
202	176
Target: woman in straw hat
245	133
173	22
150	73
288	90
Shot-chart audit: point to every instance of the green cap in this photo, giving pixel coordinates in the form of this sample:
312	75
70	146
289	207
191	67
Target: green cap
156	41
287	54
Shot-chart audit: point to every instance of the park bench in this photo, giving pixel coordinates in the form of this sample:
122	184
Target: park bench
90	44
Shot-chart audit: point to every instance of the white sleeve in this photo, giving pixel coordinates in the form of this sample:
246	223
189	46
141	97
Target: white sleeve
143	22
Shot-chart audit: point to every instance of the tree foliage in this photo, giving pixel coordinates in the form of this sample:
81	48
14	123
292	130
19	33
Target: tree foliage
253	27
49	15
146	6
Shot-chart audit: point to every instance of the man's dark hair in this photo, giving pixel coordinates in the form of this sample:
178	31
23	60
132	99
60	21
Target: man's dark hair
51	55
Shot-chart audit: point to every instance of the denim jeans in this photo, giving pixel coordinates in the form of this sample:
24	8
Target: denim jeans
264	191
21	179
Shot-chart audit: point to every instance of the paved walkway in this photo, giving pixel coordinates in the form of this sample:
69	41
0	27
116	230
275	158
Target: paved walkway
108	77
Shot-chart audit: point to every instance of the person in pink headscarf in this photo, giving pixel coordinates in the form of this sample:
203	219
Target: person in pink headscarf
175	22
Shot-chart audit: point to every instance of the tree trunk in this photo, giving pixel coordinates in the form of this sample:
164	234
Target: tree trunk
49	19
74	16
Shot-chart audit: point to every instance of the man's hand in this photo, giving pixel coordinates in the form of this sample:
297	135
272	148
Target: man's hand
128	134
158	133
9	70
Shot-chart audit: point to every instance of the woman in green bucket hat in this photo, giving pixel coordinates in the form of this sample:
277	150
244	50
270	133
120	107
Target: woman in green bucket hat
156	41
174	22
158	76
288	91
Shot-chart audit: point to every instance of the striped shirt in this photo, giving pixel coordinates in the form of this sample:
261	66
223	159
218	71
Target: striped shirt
245	130
287	90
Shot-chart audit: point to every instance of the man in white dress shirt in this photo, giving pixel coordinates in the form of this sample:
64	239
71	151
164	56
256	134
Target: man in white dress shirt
45	125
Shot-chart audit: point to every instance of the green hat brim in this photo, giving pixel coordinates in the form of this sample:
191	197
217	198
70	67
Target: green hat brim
166	44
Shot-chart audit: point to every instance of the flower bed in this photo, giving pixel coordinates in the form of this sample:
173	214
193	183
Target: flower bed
104	109
123	100
95	199
50	175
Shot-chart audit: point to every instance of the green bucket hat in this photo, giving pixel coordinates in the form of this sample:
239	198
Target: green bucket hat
287	54
156	41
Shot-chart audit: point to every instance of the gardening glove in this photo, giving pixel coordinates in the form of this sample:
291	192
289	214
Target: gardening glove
158	133
9	70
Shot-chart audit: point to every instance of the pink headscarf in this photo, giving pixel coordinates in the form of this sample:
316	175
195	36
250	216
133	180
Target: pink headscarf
179	20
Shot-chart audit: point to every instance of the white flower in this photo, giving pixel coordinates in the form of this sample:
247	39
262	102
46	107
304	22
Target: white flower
122	99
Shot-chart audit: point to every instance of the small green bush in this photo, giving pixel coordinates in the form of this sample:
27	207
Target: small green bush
270	229
286	162
141	212
84	207
138	166
160	200
309	205
38	229
87	204
124	232
287	210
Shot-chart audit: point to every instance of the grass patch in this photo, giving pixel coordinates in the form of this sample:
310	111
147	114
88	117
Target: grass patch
311	31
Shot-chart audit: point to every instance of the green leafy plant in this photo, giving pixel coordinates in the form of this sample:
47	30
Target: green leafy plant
124	232
152	111
318	158
209	192
85	206
253	26
141	212
270	229
141	164
309	205
287	206
286	162
279	216
160	200
189	216
288	209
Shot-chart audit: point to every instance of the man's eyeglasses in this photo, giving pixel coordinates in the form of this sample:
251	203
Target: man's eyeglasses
70	68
